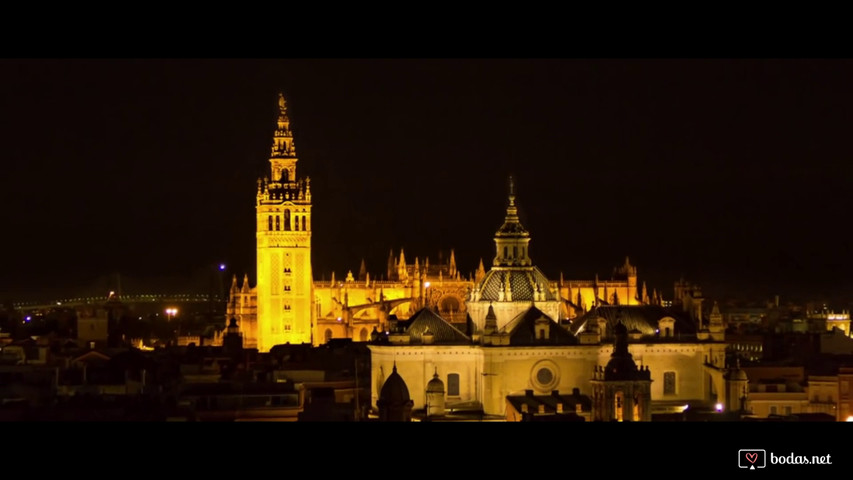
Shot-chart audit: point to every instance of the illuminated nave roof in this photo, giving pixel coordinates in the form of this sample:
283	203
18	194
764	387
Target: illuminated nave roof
522	330
642	318
425	320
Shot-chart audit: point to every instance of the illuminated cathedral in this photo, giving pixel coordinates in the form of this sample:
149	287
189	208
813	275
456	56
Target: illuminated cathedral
288	305
486	335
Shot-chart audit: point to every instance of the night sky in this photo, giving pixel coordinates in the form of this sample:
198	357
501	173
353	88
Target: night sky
732	173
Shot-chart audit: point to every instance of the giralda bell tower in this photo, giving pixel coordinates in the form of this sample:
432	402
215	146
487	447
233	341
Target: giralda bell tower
285	281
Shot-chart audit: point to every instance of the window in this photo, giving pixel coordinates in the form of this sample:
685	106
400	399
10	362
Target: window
772	409
328	335
545	376
453	384
669	383
277	223
269	222
514	251
787	410
505	255
296	220
286	220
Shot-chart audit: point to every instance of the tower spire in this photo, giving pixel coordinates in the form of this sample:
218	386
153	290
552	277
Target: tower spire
362	271
283	145
512	238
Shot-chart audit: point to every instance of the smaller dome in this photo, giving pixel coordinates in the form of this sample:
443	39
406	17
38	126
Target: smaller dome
739	375
394	390
435	385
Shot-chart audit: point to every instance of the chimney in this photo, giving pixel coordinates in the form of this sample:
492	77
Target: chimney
528	393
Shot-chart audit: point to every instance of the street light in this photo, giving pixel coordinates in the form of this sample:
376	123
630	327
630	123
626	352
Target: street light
170	313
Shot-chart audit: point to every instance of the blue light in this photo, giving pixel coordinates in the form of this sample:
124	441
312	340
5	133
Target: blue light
221	266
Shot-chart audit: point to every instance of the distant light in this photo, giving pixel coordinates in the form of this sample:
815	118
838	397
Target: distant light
426	285
59	303
657	330
850	418
221	266
339	319
28	318
719	407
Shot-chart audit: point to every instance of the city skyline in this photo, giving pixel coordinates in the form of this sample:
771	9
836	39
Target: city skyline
730	173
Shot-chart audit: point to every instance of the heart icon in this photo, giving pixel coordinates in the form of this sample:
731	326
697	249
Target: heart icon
752	457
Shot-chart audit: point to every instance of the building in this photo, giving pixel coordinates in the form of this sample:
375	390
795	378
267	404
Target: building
515	345
289	305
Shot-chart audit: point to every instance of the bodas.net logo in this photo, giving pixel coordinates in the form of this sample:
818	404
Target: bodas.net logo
751	458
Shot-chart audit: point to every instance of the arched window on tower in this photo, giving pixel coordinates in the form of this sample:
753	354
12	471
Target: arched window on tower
285	175
296	223
286	220
277	223
328	335
505	252
305	223
269	222
514	251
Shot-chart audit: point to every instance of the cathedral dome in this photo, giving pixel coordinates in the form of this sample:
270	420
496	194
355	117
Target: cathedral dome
522	283
394	390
